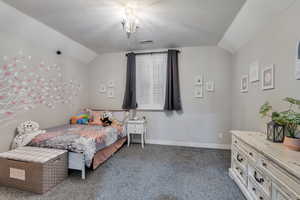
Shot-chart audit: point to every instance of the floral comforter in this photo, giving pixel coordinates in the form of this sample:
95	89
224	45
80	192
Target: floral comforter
79	138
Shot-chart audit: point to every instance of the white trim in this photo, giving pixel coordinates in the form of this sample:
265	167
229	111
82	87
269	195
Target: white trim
240	184
189	144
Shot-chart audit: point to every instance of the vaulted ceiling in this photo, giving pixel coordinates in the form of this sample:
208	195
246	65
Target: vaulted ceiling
96	24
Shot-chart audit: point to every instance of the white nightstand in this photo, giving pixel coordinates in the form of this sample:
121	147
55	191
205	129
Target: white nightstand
136	127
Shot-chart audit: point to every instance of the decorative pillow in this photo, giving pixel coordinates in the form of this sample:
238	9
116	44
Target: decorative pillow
80	118
96	116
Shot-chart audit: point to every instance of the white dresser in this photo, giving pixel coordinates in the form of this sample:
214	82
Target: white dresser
264	170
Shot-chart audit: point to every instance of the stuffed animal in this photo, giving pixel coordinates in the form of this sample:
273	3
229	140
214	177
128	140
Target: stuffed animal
83	121
106	119
26	132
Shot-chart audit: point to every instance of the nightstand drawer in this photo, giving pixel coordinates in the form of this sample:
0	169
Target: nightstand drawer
139	128
131	128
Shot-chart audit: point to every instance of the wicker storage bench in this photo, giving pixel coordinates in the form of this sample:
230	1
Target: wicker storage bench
33	169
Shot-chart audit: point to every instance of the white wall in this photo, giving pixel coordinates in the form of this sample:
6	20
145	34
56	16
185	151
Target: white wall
20	32
274	44
202	120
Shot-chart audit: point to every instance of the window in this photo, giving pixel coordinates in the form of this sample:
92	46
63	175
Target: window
151	81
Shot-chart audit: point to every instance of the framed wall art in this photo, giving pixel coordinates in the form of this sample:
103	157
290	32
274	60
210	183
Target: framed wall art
198	92
102	88
254	72
210	86
111	84
199	80
297	71
268	78
244	83
111	93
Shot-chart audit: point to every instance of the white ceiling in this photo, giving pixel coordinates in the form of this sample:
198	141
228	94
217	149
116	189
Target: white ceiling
251	19
169	23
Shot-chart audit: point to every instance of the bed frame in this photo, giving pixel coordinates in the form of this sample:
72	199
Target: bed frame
77	162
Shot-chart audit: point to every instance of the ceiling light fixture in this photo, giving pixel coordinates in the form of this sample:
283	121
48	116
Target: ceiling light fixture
130	21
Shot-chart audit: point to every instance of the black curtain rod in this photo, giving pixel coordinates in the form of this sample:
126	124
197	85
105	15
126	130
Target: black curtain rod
153	52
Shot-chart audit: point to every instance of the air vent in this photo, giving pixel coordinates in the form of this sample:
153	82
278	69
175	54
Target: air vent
146	42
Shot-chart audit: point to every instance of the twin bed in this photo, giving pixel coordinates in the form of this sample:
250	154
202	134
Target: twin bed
88	145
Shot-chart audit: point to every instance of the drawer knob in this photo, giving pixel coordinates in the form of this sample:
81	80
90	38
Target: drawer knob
251	154
238	157
259	180
261	198
254	189
264	164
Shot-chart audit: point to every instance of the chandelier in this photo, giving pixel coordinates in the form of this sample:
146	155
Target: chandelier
130	21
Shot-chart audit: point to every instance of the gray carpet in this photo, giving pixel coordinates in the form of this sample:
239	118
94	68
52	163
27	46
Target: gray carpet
155	173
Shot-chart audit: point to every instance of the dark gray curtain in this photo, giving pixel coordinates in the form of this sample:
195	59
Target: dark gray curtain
129	101
172	100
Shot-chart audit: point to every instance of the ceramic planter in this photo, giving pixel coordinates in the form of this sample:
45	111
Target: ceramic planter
292	143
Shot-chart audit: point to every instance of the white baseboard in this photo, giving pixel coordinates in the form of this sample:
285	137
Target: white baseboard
189	144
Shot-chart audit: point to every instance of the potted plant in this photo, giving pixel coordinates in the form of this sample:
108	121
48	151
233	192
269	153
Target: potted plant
290	119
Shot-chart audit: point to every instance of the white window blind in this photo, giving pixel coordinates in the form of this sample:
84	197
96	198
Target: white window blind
151	81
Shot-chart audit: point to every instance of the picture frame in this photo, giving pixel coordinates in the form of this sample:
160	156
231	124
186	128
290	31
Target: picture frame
198	92
297	70
254	72
268	78
244	83
111	93
210	86
102	88
199	80
111	84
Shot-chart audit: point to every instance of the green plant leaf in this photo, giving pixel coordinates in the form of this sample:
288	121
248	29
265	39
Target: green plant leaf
265	109
292	101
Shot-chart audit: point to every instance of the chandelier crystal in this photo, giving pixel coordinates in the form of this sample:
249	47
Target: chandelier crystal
130	21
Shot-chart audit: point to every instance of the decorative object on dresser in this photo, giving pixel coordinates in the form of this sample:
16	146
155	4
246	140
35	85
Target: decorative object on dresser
136	126
264	170
275	130
33	169
288	120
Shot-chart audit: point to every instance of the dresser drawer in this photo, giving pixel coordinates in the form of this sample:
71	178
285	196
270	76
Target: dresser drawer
239	156
281	177
240	172
261	179
251	153
256	192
